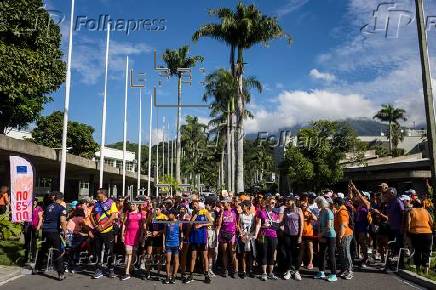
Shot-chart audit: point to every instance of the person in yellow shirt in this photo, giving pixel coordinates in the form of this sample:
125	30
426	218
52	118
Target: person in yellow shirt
102	218
419	226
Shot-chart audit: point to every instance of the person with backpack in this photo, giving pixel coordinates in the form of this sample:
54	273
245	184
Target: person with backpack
344	238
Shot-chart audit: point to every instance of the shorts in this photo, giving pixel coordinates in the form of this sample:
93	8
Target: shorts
155	242
198	247
172	250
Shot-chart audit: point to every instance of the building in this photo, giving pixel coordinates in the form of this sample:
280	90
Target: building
19	134
114	157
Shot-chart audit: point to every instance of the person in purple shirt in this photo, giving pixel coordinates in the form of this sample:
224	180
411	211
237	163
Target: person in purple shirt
227	225
394	215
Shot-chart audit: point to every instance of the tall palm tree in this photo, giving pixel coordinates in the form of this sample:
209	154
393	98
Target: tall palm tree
391	115
176	59
221	86
241	29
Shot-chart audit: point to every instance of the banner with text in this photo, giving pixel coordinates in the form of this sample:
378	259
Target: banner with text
21	189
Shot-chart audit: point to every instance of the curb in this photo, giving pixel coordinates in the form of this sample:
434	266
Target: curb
10	273
418	280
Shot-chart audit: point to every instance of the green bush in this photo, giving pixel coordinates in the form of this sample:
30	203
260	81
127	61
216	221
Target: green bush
9	230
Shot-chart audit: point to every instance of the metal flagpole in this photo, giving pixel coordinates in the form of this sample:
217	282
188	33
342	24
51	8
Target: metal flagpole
103	123
138	185
156	182
125	126
150	145
168	151
163	147
66	104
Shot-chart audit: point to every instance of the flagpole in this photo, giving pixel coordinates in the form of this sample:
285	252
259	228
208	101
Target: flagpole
66	104
138	185
125	127
150	145
103	122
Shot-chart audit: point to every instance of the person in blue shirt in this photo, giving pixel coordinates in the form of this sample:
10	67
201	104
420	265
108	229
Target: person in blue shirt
53	225
327	239
171	238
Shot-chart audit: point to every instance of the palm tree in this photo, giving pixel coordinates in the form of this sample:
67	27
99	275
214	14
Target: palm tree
221	86
392	116
175	60
240	30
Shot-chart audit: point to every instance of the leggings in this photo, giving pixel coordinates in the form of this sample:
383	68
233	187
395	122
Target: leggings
327	245
422	245
268	246
292	251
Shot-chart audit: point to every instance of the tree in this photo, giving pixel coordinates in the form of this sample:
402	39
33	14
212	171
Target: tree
241	30
221	87
48	132
176	59
31	61
392	116
315	162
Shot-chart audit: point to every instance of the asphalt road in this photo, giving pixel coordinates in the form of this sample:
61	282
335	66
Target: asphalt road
367	280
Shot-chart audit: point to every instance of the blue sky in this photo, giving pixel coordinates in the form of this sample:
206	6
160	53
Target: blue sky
332	70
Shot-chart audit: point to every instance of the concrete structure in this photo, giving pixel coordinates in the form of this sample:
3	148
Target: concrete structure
19	134
82	174
114	157
410	144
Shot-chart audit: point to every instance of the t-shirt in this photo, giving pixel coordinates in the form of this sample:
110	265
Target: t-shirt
246	222
394	211
52	217
361	224
267	229
172	235
4	199
343	218
420	221
292	222
199	236
307	225
229	221
35	216
325	216
102	212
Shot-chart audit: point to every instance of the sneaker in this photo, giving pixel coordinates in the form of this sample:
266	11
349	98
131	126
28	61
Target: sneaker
125	277
148	276
297	276
264	277
319	275
310	267
61	277
172	280
207	279
167	280
332	278
189	279
287	275
243	275
234	275
98	274
111	274
211	273
225	274
271	276
349	276
251	274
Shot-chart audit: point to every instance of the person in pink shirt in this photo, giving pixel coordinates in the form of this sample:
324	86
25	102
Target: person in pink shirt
227	225
131	234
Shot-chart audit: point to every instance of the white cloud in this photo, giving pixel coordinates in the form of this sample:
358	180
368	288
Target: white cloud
157	135
296	107
325	76
290	7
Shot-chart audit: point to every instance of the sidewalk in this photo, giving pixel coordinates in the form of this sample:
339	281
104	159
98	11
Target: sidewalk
9	273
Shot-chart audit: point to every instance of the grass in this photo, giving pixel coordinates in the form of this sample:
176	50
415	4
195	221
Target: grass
11	253
431	273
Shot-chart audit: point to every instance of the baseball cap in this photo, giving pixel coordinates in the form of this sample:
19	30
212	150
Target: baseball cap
405	198
340	195
366	194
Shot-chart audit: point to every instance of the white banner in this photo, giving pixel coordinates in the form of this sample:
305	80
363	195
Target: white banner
21	189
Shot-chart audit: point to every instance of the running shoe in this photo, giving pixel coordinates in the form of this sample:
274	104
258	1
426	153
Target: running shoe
125	277
271	276
98	274
189	279
264	277
234	275
207	279
243	275
287	275
167	280
332	278
225	274
297	276
173	280
319	275
111	274
211	273
349	276
61	276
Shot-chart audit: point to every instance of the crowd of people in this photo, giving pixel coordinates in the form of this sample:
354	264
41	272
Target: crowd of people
259	235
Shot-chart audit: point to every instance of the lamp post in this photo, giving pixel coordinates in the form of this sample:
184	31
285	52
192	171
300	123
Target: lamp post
125	126
66	104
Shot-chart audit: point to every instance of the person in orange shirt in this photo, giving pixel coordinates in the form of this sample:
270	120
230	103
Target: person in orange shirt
4	199
344	237
307	239
419	226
